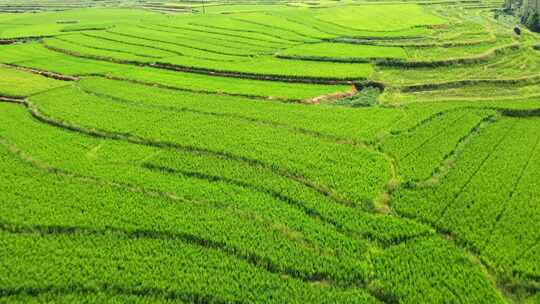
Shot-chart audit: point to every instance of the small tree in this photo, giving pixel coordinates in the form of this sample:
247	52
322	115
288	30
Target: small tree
533	22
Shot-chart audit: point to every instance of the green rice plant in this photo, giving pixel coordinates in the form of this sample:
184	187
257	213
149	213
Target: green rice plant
92	42
20	52
292	154
259	68
513	64
120	54
416	265
487	91
192	48
192	41
212	204
271	90
338	123
204	157
421	151
18	83
342	52
443	53
228	23
384	18
274	22
46	24
472	215
198	27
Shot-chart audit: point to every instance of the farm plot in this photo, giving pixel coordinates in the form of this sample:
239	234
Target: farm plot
18	83
55	23
342	52
306	152
384	18
200	130
420	151
258	68
475	216
83	165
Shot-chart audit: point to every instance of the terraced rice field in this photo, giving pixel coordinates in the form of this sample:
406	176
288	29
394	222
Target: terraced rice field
276	152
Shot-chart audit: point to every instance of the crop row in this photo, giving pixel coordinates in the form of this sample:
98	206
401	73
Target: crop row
219	32
276	22
187	31
489	90
200	41
263	68
340	51
217	190
282	193
16	83
60	63
514	63
94	236
329	122
249	224
482	188
249	23
420	152
164	170
291	153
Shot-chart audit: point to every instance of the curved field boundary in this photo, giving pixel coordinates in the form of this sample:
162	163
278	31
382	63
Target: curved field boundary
459	83
160	41
178	44
212	72
153	293
43	73
371	40
267	77
208	31
271	27
168	87
388	42
268	34
250	258
326	59
4	41
78	43
211	37
132	44
448	62
520	113
12	99
313	25
315	134
321	189
297	204
128	138
170	196
499	279
449	159
314	100
118	185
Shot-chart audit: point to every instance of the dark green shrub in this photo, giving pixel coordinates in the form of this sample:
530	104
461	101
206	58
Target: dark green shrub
533	22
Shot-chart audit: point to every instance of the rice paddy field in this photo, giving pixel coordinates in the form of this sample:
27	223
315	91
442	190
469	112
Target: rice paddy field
268	152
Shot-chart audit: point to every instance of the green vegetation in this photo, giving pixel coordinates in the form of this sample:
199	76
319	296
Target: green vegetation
18	83
277	152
